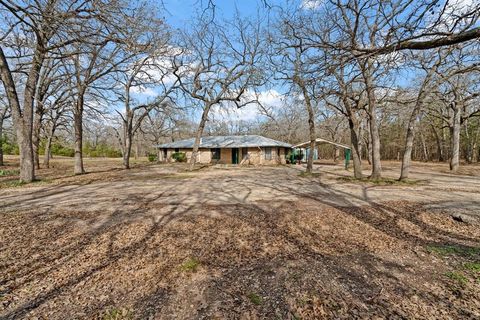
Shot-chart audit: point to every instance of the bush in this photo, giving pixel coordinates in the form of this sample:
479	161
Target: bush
152	157
179	156
58	149
9	147
100	150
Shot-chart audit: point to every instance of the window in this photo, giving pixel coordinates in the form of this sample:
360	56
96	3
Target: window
278	153
268	153
215	153
164	154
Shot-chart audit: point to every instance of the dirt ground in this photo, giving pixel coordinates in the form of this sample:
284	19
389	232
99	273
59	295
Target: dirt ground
159	242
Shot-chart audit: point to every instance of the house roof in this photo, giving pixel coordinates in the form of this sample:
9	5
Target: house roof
320	141
226	142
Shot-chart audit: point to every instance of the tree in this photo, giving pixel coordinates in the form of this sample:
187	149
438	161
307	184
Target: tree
4	114
55	118
217	66
39	28
120	36
147	70
293	63
429	70
349	101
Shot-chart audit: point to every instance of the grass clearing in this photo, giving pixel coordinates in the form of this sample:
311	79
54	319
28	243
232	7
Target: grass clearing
458	277
179	176
255	299
444	250
472	266
305	174
17	183
117	314
191	265
383	181
6	173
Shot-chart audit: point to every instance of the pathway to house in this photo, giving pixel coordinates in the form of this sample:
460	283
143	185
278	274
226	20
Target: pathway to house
160	242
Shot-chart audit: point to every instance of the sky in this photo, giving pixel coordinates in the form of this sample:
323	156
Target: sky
178	14
180	11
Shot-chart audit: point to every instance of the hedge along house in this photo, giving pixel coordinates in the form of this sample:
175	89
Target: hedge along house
244	150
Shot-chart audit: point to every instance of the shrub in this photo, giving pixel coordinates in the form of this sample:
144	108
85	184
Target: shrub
8	146
60	150
100	150
152	157
190	265
179	156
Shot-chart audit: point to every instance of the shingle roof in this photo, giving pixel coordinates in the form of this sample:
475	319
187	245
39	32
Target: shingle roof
226	142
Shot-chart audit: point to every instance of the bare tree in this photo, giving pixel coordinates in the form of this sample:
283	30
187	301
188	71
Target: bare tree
94	65
56	117
4	114
218	66
149	69
40	28
429	63
295	65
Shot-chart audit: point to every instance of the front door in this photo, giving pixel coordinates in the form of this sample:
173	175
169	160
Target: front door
235	155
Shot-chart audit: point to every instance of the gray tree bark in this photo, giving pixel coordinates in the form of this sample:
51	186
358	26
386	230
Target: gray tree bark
198	136
78	128
455	139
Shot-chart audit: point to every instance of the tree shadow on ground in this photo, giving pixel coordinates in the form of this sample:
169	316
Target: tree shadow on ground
275	249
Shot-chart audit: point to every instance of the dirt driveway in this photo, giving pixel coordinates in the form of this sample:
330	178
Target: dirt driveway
159	242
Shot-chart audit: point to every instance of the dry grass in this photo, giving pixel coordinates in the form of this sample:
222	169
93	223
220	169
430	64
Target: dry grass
248	243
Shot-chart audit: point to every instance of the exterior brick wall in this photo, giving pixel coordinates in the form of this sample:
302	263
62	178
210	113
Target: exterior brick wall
255	156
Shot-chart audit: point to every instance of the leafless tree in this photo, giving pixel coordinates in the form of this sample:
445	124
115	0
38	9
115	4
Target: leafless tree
56	117
37	28
217	66
298	67
4	114
151	68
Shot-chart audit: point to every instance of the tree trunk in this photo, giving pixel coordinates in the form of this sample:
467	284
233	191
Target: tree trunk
368	145
1	141
424	146
198	135
78	127
48	145
372	116
375	143
407	152
455	139
311	126
357	160
36	135
127	141
46	157
439	144
475	144
136	149
23	121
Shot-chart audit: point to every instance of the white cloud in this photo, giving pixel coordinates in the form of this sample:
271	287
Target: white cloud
310	4
144	91
270	100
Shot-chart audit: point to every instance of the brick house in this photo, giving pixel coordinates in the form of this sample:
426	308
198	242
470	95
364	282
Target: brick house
244	149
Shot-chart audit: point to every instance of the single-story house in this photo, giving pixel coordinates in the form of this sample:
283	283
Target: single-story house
245	149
